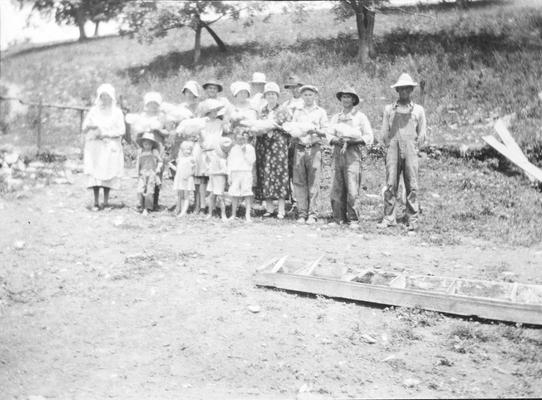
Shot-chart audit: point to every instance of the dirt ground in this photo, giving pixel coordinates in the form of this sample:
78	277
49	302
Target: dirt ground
111	304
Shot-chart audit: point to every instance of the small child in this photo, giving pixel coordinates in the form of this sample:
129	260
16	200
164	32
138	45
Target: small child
241	159
218	172
184	177
148	166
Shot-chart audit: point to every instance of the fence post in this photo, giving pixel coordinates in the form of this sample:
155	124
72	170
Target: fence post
40	108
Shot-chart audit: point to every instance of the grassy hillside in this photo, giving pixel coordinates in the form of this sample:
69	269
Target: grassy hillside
478	64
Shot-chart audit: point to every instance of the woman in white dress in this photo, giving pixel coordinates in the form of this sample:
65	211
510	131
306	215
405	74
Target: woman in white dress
103	156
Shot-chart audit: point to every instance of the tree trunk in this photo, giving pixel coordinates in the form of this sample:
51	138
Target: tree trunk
96	26
197	44
221	45
80	21
363	44
365	19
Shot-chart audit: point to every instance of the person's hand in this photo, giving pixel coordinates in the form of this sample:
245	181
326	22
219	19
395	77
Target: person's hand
229	180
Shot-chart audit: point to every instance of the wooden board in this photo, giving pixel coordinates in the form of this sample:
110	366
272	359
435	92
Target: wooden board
526	166
441	302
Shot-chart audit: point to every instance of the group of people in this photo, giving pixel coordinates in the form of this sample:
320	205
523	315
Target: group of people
254	148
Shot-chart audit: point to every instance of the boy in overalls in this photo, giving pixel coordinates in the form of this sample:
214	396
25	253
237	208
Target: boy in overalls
308	155
403	131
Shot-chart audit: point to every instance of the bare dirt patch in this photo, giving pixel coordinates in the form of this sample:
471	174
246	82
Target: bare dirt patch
114	305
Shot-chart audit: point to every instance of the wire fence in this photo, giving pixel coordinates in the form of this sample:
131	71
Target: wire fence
49	128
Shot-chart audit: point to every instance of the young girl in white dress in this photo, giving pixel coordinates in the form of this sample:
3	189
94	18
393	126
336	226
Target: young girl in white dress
184	177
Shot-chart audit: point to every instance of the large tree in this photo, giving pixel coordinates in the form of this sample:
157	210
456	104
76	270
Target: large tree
148	20
78	12
363	11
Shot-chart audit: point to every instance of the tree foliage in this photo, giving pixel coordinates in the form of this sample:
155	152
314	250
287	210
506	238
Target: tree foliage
148	20
78	12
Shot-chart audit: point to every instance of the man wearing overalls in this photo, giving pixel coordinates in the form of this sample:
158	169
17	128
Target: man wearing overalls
308	155
348	155
403	131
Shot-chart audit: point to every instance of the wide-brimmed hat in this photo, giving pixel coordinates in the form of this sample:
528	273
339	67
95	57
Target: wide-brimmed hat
258	77
404	80
239	86
210	105
191	86
308	87
271	87
351	91
147	136
293	81
213	82
151	97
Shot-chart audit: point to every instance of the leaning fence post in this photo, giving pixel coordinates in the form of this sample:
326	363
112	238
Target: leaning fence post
40	108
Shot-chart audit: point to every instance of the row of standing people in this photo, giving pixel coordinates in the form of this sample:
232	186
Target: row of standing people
279	156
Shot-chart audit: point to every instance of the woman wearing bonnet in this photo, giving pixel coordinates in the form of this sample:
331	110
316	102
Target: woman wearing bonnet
103	155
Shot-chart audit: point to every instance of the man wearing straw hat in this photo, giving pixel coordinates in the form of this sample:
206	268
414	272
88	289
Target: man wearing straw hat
257	85
403	131
350	132
308	155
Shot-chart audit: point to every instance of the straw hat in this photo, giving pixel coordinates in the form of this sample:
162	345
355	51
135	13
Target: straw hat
258	77
293	81
213	82
349	90
404	80
151	97
191	86
239	86
147	136
271	87
210	105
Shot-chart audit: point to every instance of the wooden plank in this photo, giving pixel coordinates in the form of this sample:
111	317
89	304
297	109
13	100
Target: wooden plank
451	304
309	269
279	266
267	264
526	166
508	140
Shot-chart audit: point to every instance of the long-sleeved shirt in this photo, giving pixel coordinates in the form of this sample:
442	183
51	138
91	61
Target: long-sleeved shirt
418	113
315	115
239	160
356	119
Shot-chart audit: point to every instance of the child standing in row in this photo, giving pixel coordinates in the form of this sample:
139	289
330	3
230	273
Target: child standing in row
241	159
218	171
148	167
184	177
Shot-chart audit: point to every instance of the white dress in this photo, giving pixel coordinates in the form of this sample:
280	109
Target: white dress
104	158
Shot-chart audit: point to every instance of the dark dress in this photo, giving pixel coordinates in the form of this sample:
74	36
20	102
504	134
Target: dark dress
272	161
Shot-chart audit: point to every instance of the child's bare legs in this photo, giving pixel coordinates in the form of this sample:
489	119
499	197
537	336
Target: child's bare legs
185	203
96	190
179	205
197	202
248	202
202	195
141	201
234	205
222	206
212	204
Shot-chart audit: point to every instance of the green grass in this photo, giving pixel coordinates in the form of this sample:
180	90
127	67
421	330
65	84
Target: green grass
478	65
